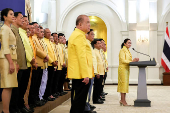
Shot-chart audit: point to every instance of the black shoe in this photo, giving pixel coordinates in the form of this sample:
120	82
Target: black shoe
98	102
90	112
103	93
63	93
45	101
25	110
55	95
50	99
31	110
32	106
103	96
40	103
60	94
92	107
102	99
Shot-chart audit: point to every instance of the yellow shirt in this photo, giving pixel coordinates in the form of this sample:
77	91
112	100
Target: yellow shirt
94	58
44	46
51	52
125	57
60	56
104	59
27	45
65	54
100	63
33	46
79	56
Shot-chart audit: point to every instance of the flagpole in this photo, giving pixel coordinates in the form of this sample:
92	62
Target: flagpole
167	26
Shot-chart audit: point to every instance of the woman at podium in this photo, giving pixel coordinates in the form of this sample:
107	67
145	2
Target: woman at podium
125	58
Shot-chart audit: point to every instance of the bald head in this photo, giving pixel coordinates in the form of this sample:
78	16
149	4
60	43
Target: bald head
80	19
83	23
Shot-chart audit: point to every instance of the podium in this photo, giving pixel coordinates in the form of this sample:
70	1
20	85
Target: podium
142	99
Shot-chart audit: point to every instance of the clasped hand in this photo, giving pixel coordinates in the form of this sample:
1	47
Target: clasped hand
135	60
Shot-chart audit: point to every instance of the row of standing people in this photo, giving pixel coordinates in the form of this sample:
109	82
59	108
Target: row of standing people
87	64
32	67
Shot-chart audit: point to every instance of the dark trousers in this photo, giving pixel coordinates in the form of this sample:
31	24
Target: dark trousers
62	79
48	90
15	93
23	87
35	85
97	88
104	79
56	79
78	95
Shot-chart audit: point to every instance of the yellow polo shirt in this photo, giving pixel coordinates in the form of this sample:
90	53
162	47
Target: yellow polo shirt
51	52
27	45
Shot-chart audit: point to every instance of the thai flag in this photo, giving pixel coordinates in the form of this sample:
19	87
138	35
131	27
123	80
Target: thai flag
165	60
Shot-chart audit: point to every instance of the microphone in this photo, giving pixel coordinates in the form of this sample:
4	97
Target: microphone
142	53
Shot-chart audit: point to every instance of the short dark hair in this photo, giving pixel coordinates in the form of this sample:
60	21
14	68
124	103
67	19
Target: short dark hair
94	42
60	34
34	23
124	42
90	31
30	23
4	12
53	34
41	27
80	19
100	39
17	13
25	16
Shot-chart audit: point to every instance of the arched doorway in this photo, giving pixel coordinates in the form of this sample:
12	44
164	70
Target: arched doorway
99	27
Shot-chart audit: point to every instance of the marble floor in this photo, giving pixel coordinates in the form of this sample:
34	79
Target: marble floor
158	95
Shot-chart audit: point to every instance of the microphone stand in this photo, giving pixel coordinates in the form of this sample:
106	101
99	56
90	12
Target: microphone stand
142	53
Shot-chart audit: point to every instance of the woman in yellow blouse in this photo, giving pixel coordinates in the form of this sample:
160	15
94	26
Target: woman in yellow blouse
125	58
8	57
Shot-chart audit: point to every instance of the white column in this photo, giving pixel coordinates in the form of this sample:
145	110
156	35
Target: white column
52	16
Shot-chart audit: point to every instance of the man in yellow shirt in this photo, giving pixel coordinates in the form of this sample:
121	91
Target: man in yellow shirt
102	51
30	62
56	72
64	69
37	73
90	38
51	64
45	66
79	64
100	72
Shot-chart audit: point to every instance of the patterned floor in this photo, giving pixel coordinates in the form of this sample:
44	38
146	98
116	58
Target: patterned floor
158	95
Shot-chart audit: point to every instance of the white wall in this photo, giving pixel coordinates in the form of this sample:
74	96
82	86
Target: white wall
116	16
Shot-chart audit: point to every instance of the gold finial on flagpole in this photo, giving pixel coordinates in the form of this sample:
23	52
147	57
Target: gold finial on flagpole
166	23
